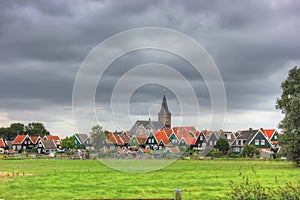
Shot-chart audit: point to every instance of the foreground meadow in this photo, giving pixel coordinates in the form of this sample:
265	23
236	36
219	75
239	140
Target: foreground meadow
71	179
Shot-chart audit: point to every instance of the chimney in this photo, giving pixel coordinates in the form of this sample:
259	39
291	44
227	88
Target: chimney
250	129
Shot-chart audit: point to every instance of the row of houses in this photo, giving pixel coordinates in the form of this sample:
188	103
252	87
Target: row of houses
188	138
22	143
144	140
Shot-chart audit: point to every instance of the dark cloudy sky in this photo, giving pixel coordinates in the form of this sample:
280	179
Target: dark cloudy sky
43	43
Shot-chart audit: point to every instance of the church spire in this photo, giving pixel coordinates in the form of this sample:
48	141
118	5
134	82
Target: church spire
164	115
164	110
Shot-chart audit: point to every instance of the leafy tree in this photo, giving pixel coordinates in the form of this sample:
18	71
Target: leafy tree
249	151
10	133
36	129
98	136
68	143
289	103
4	133
223	145
17	128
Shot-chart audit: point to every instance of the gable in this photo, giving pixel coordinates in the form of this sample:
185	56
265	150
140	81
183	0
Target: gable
76	140
133	141
275	136
173	139
201	138
151	139
212	137
260	141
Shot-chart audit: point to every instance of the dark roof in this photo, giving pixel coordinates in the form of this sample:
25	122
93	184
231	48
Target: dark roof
49	144
230	139
82	137
246	135
164	107
147	124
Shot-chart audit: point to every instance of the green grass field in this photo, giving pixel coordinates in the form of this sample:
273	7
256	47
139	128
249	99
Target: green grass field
71	179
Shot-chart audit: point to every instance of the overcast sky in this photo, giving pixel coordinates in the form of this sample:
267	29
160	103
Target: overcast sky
43	44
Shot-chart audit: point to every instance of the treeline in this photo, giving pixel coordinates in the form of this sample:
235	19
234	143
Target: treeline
32	129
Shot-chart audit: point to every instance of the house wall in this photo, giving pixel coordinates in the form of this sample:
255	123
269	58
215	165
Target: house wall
151	142
173	139
260	141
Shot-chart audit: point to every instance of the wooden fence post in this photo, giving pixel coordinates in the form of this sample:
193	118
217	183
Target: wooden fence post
178	193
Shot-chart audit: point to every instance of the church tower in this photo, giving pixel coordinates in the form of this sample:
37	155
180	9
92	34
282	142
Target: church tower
164	115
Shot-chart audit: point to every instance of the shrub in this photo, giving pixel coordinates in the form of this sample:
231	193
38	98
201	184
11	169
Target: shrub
249	190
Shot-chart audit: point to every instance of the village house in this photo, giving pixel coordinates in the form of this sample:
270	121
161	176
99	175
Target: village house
2	145
82	141
254	137
46	146
55	138
22	143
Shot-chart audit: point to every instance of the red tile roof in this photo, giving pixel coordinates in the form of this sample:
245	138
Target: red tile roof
169	132
35	139
19	139
206	132
190	140
268	132
125	137
52	137
162	136
184	131
2	144
111	138
119	140
197	134
145	150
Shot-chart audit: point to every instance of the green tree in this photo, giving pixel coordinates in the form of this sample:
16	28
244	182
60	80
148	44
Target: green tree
249	151
17	128
223	145
10	133
36	129
98	136
68	143
289	103
4	133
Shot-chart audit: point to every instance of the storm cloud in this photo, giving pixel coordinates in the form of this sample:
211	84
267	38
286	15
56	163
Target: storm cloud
43	43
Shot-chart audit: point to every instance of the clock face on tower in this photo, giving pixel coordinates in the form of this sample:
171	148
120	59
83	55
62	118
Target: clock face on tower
168	122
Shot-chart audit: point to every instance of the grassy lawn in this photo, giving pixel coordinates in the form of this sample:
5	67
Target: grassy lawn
70	179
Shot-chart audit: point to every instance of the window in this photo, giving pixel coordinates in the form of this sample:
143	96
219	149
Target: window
239	142
256	142
210	143
215	142
235	149
25	142
262	142
275	137
201	137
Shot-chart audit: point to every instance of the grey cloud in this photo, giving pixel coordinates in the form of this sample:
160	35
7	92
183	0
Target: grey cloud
42	44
